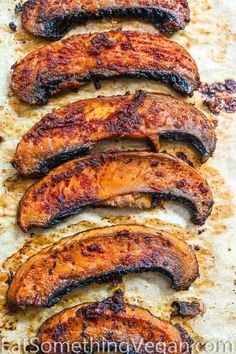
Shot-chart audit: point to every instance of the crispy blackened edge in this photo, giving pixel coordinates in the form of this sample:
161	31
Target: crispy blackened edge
105	278
166	20
195	218
45	166
193	140
93	311
41	93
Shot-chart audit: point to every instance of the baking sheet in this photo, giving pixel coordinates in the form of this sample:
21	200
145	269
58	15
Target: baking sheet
211	39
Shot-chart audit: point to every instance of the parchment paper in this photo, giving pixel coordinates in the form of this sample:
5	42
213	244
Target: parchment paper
210	38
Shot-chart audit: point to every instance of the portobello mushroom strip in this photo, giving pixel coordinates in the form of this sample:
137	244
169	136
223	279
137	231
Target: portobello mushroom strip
74	129
103	177
100	255
110	323
52	19
71	62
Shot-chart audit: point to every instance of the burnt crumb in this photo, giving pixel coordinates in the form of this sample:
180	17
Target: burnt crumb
53	267
154	163
95	310
98	41
181	183
85	253
186	309
18	8
123	233
219	97
60	329
84	335
13	26
126	46
94	163
166	243
139	95
129	160
2	139
202	188
181	155
197	248
91	312
110	334
230	86
159	174
116	302
85	325
97	84
95	247
201	231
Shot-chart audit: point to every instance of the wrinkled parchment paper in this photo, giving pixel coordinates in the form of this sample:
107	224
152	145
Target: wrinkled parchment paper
211	39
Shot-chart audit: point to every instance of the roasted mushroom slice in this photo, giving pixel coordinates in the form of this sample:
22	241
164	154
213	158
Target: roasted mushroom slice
100	255
53	19
74	129
72	62
97	178
111	324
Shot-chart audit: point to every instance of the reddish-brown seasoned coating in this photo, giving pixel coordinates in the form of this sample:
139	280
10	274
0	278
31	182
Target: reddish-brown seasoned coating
100	255
97	178
112	321
74	129
53	18
69	63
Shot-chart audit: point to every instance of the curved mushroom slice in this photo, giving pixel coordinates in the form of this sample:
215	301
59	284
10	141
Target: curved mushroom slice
70	63
97	178
52	19
111	321
100	255
74	129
